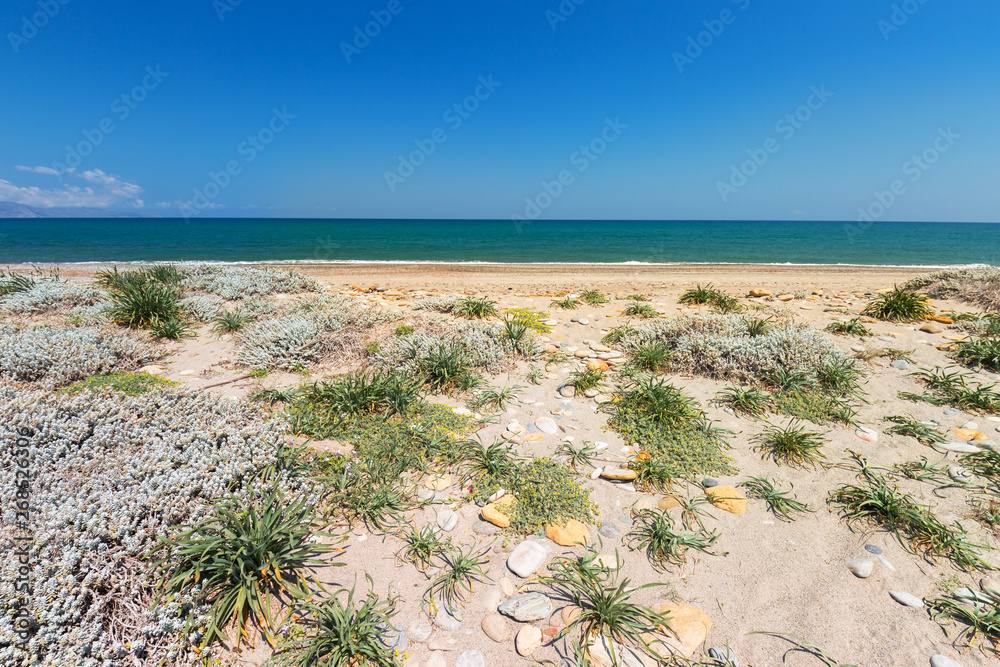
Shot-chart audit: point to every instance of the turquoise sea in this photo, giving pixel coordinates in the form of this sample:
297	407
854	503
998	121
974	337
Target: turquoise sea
311	240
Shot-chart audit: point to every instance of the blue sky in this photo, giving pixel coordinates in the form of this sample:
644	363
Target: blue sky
619	110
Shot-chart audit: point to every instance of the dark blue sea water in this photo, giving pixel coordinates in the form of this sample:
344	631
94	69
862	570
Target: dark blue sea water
256	240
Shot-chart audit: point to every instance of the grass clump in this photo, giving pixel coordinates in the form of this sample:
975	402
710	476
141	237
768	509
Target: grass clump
956	389
654	533
926	434
231	321
243	559
421	546
342	632
130	384
577	457
979	286
404	330
700	295
677	438
607	609
594	298
792	445
567	303
12	283
780	503
586	380
751	401
461	571
653	358
850	328
981	618
445	367
875	500
144	304
979	353
383	392
494	398
640	310
174	328
899	305
476	308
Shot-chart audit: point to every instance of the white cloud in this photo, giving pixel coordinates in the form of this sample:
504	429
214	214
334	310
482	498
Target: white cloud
48	171
104	191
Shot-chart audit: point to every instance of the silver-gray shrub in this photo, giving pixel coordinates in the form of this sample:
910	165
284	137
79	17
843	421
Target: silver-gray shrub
720	346
202	308
238	282
281	342
112	474
55	356
50	294
440	304
483	343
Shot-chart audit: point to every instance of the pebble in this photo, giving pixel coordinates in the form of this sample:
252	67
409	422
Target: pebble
624	520
867	434
484	528
394	638
952	413
900	364
888	339
445	620
490	599
972	426
470	658
906	599
591	393
528	639
567	405
583	320
496	628
419	630
709	482
186	373
528	607
939	660
527	557
872	549
508	587
597	473
861	567
959	447
609	531
443	644
567	391
447	520
957	473
436	660
886	564
726	656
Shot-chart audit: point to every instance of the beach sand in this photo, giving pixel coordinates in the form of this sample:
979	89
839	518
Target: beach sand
778	576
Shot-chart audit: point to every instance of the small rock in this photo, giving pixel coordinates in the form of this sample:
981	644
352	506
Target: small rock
931	329
619	474
597	365
394	638
969	434
709	482
528	607
437	482
443	644
939	660
446	620
484	528
726	656
900	364
528	639
152	370
507	587
419	630
596	473
727	498
860	567
583	320
952	413
759	292
957	473
687	627
496	628
436	660
447	520
960	447
872	549
567	391
498	513
867	434
667	503
470	658
906	599
546	426
527	557
591	393
886	564
571	534
609	531
490	599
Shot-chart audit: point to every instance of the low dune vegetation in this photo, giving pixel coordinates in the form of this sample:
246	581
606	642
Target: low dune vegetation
235	465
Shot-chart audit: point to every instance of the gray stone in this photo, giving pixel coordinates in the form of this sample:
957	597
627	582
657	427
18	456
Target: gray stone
872	549
709	482
394	638
445	619
436	660
943	661
496	628
860	567
609	531
531	428
528	607
583	320
470	658
957	473
566	391
888	339
906	599
490	598
567	405
622	519
886	564
546	426
726	656
484	528
447	520
952	413
443	644
527	557
419	630
900	364
960	447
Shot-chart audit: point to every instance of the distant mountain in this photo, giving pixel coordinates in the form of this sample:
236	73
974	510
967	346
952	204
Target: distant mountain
9	209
